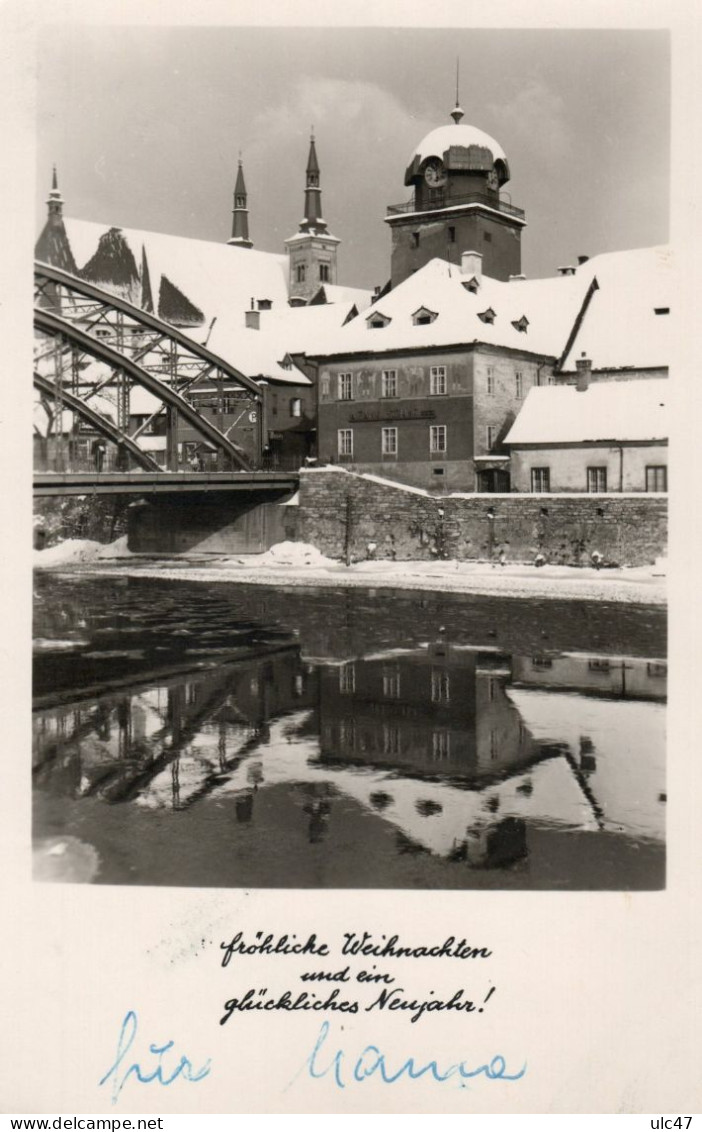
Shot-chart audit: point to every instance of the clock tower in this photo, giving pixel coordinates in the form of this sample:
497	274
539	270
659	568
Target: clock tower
312	250
456	174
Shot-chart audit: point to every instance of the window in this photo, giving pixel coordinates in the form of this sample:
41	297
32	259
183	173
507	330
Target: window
388	385
487	236
656	669
521	324
541	662
391	683
472	285
437	438
296	407
598	665
661	310
491	436
347	679
596	479
487	316
493	744
540	479
102	332
415	239
437	380
345	387
324	272
325	385
301	272
377	321
490	382
440	686
440	744
656	477
423	316
389	441
346	442
452	235
391	740
519	385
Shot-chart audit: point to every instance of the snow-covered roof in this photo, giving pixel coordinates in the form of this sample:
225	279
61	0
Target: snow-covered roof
606	411
218	279
621	327
438	141
550	305
209	273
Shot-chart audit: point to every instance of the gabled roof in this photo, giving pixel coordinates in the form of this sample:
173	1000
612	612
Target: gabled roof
606	411
620	327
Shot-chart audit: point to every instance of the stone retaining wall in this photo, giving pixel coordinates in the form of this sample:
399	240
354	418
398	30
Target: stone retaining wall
344	514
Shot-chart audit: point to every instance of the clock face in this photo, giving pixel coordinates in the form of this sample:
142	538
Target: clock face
492	181
434	173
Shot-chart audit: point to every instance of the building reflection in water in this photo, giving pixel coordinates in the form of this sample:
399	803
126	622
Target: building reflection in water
459	751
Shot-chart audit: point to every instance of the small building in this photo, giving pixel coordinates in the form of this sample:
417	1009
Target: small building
606	436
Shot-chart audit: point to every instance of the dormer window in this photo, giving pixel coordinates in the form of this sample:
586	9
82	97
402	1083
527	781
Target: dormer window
487	316
423	316
661	310
377	321
264	304
521	324
472	285
286	363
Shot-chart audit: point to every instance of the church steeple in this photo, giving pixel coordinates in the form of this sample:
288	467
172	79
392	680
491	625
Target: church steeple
313	221
55	200
312	250
240	213
53	245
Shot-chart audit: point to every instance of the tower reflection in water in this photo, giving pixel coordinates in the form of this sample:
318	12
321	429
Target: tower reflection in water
459	752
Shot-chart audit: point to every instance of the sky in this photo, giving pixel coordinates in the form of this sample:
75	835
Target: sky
146	124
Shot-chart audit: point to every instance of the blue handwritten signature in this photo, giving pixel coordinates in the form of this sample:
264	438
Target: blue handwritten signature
123	1067
372	1062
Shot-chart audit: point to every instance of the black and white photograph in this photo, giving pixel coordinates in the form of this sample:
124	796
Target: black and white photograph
350	515
351	546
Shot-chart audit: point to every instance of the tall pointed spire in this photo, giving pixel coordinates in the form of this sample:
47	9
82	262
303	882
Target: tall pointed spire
240	212
313	221
457	113
55	200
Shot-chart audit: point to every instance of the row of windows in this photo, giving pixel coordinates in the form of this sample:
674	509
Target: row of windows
596	478
438	442
301	273
440	683
438	385
389	440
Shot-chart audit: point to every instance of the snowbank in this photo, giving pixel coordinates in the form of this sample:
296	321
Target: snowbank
75	550
297	554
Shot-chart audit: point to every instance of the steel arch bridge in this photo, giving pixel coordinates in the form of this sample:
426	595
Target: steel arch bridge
93	348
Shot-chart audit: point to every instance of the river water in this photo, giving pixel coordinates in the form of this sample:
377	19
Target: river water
243	736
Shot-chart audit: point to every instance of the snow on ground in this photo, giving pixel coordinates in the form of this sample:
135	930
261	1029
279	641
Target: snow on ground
77	550
299	564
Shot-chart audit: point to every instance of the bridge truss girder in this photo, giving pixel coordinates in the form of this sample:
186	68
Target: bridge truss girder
78	323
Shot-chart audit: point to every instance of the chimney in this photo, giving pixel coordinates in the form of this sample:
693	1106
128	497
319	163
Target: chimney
516	278
472	264
582	259
583	365
253	319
